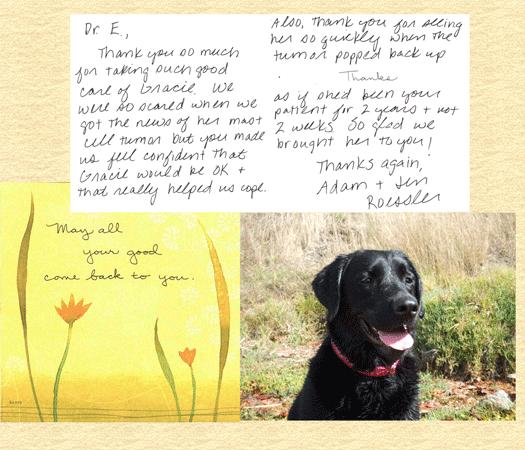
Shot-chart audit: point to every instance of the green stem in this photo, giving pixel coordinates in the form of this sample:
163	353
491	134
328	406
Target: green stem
166	369
31	377
216	411
57	381
193	382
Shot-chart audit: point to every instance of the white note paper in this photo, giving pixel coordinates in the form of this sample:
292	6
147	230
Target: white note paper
269	113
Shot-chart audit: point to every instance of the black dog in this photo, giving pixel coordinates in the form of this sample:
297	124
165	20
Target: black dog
364	369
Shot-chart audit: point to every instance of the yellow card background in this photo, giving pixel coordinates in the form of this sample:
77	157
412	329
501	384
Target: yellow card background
112	372
34	126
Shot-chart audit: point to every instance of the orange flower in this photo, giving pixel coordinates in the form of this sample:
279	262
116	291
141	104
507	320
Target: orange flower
188	355
72	312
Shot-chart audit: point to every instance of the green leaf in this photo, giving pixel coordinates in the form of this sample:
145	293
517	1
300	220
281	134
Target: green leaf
164	365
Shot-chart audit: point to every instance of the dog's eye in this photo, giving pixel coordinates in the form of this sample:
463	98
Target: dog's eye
367	280
409	280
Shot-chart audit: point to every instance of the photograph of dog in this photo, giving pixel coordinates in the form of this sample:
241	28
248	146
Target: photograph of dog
364	369
365	316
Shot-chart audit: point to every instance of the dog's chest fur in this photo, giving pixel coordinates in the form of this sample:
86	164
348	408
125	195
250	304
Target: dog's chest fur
375	399
354	396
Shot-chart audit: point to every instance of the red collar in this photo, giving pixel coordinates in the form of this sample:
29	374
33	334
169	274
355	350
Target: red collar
381	371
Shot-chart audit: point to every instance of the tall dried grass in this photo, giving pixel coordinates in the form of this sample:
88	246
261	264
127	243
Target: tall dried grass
281	253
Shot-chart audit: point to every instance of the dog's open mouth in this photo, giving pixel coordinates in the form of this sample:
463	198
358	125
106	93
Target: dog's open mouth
399	339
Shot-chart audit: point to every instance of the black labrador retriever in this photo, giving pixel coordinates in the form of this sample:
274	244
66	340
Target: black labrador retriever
364	369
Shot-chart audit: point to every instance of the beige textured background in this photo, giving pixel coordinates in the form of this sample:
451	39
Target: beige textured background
34	143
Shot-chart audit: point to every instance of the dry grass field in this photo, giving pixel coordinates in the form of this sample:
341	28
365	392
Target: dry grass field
281	253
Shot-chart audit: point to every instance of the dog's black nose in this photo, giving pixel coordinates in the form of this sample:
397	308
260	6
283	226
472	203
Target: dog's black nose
406	308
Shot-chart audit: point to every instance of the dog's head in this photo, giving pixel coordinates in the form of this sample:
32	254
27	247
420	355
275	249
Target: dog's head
379	290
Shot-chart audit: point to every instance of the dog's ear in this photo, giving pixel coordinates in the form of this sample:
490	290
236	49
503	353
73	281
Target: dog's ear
327	285
419	293
419	285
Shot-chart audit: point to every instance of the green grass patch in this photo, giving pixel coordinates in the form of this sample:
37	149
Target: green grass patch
429	384
266	373
470	413
290	322
469	329
312	312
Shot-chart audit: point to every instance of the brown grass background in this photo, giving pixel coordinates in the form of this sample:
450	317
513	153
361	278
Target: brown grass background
34	142
281	253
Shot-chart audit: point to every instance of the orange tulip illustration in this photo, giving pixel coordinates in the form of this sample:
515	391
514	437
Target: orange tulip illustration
188	356
70	313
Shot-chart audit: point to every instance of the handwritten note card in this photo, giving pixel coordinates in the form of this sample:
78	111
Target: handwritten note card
270	113
116	317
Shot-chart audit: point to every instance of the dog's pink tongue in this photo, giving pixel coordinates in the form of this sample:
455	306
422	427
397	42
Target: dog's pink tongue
400	340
